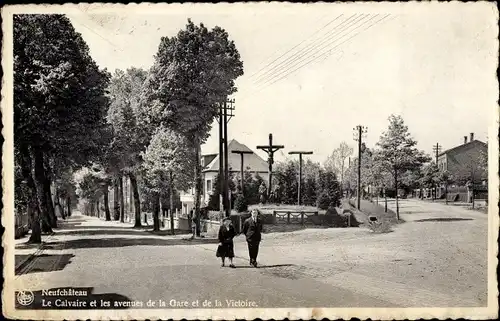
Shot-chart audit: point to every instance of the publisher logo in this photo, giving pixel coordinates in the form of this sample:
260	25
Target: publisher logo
25	298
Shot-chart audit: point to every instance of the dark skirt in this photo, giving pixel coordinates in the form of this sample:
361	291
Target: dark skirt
225	250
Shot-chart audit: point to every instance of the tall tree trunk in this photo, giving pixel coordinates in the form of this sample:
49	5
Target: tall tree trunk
33	208
172	229
68	204
122	201
39	179
98	208
156	212
397	196
198	188
57	203
50	204
446	192
106	202
137	202
116	195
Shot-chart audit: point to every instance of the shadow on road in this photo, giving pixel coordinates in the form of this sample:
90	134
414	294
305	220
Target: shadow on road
41	263
122	242
444	219
262	266
114	300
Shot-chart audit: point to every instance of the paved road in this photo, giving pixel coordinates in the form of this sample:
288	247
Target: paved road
425	262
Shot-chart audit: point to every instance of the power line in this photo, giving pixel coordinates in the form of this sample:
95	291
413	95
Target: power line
255	73
96	33
294	61
325	53
308	48
297	45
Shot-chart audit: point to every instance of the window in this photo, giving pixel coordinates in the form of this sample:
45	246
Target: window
209	185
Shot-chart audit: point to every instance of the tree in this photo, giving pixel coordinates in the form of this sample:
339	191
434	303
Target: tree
446	179
168	158
336	161
329	190
193	73
214	198
59	101
130	135
398	152
430	176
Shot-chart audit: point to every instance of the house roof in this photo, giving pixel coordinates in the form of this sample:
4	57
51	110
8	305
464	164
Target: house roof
462	147
251	162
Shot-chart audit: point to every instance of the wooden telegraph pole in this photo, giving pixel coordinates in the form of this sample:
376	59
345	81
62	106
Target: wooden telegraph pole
270	150
359	131
437	149
300	172
226	110
242	152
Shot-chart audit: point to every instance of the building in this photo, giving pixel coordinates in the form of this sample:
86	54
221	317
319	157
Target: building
465	160
466	165
252	163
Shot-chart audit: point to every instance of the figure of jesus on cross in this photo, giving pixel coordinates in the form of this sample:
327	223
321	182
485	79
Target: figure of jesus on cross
270	150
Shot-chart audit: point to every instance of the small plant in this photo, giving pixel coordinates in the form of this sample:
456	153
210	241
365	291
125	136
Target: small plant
241	203
379	227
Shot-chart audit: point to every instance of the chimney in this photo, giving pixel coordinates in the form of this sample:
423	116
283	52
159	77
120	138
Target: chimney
465	140
471	137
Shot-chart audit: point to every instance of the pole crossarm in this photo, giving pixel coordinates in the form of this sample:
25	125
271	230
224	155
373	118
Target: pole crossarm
298	153
241	152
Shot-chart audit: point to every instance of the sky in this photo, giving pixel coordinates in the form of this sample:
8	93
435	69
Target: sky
311	75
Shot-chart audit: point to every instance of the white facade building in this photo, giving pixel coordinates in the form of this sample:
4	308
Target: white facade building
252	163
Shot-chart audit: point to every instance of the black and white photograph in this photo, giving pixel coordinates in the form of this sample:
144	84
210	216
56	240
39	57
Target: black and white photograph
250	160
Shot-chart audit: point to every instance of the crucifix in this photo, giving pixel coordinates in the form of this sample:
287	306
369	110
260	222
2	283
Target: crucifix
300	172
242	152
270	150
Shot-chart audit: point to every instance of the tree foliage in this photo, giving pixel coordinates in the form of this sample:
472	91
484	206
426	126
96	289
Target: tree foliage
398	151
59	103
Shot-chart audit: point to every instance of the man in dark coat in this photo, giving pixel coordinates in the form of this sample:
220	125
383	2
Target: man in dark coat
252	228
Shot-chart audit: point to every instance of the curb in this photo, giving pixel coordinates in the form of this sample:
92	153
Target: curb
22	266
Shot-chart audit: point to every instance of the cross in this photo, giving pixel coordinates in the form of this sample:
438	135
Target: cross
270	150
300	171
242	152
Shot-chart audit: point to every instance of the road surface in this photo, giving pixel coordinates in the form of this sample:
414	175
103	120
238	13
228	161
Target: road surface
436	258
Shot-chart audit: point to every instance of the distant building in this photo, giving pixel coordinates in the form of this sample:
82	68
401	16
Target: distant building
252	163
463	162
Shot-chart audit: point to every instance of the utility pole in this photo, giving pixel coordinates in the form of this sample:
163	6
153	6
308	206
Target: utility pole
224	112
242	152
300	172
270	150
437	149
221	161
358	136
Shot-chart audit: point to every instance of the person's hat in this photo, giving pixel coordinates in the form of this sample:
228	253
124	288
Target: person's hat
226	219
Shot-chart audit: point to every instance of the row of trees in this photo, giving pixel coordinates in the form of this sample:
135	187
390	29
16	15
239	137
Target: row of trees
397	164
160	117
144	125
59	110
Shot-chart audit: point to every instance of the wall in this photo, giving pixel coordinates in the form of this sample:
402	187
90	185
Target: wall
462	162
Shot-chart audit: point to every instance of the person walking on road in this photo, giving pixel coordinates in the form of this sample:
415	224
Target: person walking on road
252	228
226	245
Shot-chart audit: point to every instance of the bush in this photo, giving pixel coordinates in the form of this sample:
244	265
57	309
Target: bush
382	226
241	203
334	219
326	200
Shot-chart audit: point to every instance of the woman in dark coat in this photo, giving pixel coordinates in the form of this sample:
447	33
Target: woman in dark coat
226	246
